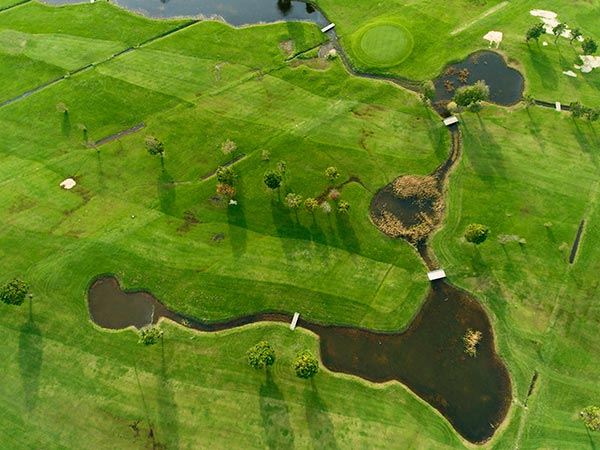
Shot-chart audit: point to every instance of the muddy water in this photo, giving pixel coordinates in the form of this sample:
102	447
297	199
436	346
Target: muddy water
428	357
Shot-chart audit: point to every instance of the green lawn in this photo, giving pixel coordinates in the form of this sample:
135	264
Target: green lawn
532	173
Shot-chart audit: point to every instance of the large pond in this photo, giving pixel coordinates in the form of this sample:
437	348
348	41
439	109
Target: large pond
473	393
234	12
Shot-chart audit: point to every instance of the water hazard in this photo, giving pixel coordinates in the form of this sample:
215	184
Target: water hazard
234	12
473	393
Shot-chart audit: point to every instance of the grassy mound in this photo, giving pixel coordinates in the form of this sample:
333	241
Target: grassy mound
382	44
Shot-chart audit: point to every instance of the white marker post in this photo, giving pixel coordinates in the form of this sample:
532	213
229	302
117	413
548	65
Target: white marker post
294	321
325	29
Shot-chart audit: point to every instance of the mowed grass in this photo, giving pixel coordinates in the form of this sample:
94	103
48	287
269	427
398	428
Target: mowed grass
382	44
526	179
40	43
447	32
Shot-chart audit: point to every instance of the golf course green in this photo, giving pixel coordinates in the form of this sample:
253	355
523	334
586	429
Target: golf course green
82	88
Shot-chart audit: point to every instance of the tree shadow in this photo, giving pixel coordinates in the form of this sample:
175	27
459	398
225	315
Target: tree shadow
319	424
66	124
535	130
477	261
347	233
30	360
585	143
275	416
487	160
543	66
167	408
238	232
287	228
166	192
592	443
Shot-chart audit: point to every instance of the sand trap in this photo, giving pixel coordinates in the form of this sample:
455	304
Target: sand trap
570	73
543	13
590	62
69	183
494	37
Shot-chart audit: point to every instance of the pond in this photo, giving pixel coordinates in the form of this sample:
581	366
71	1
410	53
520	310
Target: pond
234	12
473	393
506	83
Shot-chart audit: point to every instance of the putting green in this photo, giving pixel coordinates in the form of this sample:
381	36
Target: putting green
382	44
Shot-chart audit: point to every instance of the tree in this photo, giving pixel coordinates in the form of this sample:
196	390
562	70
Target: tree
528	100
577	109
306	364
575	34
343	206
14	292
261	355
226	175
225	191
589	46
558	30
282	167
591	417
467	96
427	91
154	146
476	233
332	173
535	32
592	114
150	335
293	200
311	204
228	147
272	179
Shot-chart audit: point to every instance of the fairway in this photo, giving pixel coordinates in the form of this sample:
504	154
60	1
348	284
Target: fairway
382	44
284	98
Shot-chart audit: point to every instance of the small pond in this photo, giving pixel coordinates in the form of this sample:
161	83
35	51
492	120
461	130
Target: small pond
234	12
506	83
473	393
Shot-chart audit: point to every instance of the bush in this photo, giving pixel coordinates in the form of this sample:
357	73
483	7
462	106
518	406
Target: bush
306	364
261	355
150	335
476	233
14	292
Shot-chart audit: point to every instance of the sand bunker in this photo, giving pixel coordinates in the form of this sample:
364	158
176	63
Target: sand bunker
69	183
550	19
590	62
494	37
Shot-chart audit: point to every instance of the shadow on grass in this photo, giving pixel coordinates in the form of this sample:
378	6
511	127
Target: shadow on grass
238	232
347	233
66	124
288	228
535	130
319	424
585	143
487	160
543	66
167	408
275	416
166	192
30	360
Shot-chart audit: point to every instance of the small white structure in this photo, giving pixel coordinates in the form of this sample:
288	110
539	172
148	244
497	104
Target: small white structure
294	321
436	274
570	73
494	37
450	120
558	107
326	28
69	183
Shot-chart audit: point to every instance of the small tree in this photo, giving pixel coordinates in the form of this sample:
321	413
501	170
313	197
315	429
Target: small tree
559	29
343	206
528	100
332	173
272	179
154	146
535	32
14	292
589	46
592	114
591	417
261	355
225	191
467	96
476	233
306	364
575	34
427	91
150	335
226	175
311	204
282	167
293	200
577	109
228	147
